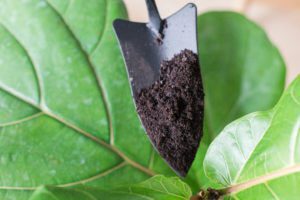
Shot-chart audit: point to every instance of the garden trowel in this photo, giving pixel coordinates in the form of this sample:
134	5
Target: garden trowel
146	45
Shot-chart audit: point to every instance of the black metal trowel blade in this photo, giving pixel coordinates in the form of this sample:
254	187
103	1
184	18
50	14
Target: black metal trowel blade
146	45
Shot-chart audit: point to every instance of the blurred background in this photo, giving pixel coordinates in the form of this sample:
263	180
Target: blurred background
280	19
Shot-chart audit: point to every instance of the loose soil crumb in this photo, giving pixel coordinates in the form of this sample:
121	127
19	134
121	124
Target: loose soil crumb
209	194
172	110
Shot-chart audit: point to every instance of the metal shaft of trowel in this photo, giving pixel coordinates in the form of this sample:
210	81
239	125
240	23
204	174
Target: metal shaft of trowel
156	24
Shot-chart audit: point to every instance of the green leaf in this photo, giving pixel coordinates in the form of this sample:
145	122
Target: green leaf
158	187
259	153
242	71
66	116
239	64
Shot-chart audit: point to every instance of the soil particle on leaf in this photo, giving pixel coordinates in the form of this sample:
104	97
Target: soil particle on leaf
172	108
209	194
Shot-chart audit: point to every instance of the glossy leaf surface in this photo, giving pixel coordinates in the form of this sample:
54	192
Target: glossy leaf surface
259	153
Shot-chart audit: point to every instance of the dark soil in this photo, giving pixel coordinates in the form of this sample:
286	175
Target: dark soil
172	110
209	194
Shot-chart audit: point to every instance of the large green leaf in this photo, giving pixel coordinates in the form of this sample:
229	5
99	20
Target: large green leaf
158	187
239	64
66	116
242	71
259	153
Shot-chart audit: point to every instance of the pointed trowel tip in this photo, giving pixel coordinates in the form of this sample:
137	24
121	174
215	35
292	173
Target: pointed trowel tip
183	163
180	172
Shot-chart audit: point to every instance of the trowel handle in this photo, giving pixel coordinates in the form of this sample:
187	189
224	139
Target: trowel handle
156	22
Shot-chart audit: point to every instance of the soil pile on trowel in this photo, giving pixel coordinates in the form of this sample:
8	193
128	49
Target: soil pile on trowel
172	110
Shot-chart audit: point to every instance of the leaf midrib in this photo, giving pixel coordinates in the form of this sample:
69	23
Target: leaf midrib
262	179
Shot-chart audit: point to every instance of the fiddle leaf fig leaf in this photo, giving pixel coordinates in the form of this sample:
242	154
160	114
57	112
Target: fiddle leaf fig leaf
259	153
239	64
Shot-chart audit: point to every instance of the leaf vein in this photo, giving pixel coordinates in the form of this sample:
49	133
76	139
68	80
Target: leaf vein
89	195
38	77
294	96
171	194
271	191
28	118
84	181
293	142
100	38
238	144
70	3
